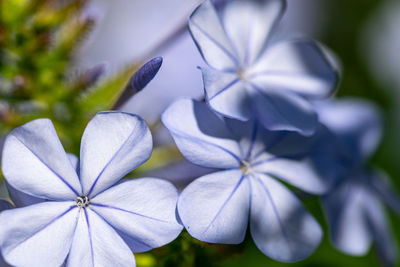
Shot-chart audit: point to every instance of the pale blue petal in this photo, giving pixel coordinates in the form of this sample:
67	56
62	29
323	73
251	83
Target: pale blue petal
281	110
249	23
227	94
210	37
38	235
96	243
113	144
286	143
250	135
356	219
142	211
299	66
3	263
344	209
21	199
357	122
382	185
298	172
35	162
381	232
215	207
258	143
330	157
280	225
5	205
74	161
201	135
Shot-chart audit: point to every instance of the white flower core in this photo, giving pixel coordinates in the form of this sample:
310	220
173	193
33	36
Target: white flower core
245	167
82	201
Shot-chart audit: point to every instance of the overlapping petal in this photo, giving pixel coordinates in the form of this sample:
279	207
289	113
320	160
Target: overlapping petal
357	123
74	160
381	231
113	144
299	66
259	143
215	207
357	218
21	199
300	173
344	209
201	135
4	205
249	23
38	235
381	184
34	161
280	225
211	39
148	204
227	94
281	110
96	243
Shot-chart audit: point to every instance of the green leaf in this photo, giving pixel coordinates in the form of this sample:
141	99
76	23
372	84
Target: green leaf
103	96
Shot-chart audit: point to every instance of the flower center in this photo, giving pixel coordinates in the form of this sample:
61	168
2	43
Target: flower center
245	166
242	75
82	201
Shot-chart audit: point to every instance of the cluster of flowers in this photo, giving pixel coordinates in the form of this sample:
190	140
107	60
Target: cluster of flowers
263	122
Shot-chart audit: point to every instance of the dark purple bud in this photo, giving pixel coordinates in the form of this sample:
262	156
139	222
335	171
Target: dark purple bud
139	80
145	74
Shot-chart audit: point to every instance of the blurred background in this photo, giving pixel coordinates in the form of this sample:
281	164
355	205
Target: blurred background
67	60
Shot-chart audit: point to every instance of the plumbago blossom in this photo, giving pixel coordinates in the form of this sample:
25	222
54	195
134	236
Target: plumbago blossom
4	205
252	75
84	214
215	208
355	206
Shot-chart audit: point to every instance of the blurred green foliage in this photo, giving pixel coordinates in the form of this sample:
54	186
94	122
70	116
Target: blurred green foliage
38	42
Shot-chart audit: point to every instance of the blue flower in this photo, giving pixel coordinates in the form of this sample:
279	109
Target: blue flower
215	207
251	74
355	206
4	205
89	217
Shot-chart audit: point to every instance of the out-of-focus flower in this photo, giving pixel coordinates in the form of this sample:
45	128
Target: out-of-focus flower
252	75
215	207
355	207
87	219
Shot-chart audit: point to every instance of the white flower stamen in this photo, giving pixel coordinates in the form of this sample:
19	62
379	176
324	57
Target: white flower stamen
82	201
245	166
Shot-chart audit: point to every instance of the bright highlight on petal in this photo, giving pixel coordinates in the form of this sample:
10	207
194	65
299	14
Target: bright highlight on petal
280	226
34	150
113	144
